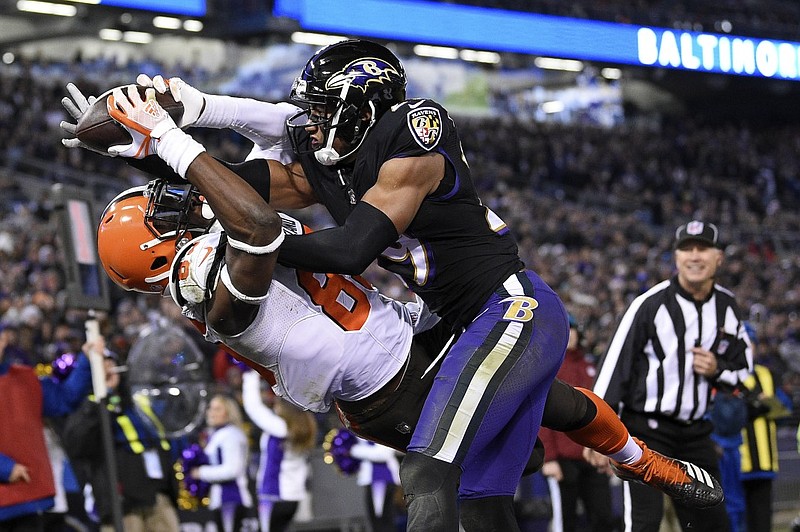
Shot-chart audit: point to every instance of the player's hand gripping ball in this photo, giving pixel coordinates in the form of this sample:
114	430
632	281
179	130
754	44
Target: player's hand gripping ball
99	131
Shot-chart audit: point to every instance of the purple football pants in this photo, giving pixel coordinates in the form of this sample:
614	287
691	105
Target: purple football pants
485	407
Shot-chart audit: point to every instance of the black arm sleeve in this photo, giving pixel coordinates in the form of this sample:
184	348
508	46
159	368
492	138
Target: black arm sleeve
347	249
156	167
255	172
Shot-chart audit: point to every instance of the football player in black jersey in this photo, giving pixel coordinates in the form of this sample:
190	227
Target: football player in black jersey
392	174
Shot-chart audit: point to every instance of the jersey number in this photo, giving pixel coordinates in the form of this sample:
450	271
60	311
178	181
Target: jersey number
340	298
412	252
415	254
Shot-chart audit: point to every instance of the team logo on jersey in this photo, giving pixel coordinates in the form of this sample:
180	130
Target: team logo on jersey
723	346
520	309
426	126
361	73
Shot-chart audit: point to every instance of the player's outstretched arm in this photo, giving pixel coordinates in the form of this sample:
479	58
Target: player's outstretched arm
264	123
253	228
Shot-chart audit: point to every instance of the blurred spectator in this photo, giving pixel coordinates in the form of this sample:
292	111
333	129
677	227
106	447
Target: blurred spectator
759	450
27	487
288	434
729	417
14	354
226	471
146	483
572	479
796	520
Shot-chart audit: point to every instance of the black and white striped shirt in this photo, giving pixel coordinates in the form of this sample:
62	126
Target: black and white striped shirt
648	366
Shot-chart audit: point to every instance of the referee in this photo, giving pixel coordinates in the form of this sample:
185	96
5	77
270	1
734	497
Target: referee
673	345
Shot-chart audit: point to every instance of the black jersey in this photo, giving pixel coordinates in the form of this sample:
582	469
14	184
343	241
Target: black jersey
456	251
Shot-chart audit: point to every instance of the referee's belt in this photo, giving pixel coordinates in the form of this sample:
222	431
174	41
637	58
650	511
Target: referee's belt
666	417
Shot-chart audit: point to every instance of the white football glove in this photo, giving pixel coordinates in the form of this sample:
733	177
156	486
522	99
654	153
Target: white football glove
193	100
145	120
76	104
152	129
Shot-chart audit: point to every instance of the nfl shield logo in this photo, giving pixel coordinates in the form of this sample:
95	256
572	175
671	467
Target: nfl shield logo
694	228
426	126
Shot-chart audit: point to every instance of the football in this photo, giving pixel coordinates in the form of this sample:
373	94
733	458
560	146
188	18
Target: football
98	130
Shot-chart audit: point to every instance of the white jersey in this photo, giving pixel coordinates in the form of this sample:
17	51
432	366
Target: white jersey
323	336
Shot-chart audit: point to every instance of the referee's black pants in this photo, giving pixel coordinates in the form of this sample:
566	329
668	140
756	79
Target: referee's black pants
643	505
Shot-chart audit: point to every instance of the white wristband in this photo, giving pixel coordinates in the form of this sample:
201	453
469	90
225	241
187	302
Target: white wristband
226	280
257	250
178	149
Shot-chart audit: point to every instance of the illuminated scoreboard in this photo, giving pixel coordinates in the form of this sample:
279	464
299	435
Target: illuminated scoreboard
193	8
726	54
528	33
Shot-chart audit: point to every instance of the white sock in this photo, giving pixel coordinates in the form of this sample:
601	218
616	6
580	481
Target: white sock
629	454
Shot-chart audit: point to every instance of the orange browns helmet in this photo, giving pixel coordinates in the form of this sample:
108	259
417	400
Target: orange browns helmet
138	236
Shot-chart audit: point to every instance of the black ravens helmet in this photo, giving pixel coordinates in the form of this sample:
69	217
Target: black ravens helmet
339	84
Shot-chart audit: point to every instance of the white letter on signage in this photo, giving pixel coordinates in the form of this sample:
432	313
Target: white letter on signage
724	54
707	43
648	46
767	58
787	59
688	58
668	53
744	56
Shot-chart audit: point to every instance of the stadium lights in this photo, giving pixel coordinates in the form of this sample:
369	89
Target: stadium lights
447	52
552	63
137	37
317	39
611	73
439	52
480	57
46	8
173	23
92	2
192	25
110	34
552	107
167	23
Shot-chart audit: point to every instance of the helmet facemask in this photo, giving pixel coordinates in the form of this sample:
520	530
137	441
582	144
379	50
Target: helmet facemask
173	210
335	116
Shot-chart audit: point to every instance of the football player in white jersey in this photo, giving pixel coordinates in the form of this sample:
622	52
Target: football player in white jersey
315	337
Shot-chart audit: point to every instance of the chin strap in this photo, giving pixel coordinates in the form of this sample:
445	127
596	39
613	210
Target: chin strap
328	156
